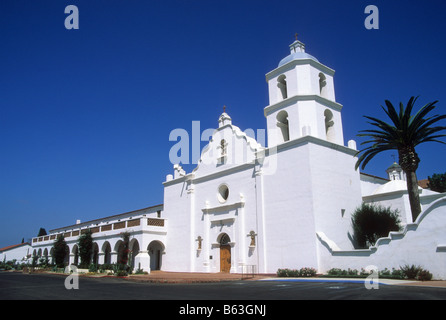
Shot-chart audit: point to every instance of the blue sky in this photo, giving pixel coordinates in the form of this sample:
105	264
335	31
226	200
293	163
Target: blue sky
85	115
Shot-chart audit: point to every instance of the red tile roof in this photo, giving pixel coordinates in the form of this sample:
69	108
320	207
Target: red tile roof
13	246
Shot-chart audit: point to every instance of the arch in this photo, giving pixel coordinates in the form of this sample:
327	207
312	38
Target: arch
329	125
53	259
134	250
282	85
283	125
95	254
75	252
156	250
106	250
122	252
223	239
322	84
66	259
225	252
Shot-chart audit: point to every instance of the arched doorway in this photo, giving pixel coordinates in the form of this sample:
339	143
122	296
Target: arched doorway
66	259
134	250
225	253
95	254
75	253
106	249
155	250
122	252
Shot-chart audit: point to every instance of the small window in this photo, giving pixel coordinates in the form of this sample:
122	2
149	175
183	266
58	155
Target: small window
223	145
281	84
224	239
282	123
223	193
322	84
329	125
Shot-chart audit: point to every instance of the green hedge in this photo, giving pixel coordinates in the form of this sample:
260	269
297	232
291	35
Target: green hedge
303	272
405	272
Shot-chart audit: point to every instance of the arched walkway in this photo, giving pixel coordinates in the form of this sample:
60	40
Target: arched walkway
106	250
95	254
75	253
155	250
134	250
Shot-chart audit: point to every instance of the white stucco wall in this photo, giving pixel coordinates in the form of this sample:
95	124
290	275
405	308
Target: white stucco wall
18	253
422	243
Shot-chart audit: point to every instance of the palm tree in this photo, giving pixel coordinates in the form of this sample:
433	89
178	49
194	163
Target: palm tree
404	133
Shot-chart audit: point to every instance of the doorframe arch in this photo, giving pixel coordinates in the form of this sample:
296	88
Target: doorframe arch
224	241
155	249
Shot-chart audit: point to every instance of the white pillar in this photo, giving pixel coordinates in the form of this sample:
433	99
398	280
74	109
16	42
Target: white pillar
142	261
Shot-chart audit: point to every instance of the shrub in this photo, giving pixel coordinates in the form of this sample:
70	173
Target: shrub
60	251
424	275
410	272
93	268
406	272
294	273
106	266
121	269
371	222
85	243
336	272
307	272
416	273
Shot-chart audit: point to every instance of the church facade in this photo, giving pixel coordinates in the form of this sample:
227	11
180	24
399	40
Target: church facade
248	207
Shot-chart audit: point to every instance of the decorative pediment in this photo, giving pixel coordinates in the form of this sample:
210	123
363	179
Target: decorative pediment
228	147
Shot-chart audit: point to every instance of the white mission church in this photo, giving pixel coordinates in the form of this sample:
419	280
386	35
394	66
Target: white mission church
285	205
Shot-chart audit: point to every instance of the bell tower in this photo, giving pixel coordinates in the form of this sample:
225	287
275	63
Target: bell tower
302	99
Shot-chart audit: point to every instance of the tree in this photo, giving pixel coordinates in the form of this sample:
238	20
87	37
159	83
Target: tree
124	257
42	232
60	251
371	222
437	182
85	243
405	132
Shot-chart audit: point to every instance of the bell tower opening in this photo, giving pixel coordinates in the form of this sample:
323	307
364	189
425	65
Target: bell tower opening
281	84
329	126
322	84
283	125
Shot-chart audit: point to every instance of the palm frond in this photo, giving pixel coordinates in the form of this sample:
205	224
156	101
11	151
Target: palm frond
404	131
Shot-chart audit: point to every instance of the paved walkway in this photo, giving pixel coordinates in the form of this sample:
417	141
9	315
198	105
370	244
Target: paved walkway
194	277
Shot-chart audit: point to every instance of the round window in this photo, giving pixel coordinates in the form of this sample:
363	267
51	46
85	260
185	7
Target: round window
223	193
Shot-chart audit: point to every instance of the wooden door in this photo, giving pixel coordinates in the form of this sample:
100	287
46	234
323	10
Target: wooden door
225	258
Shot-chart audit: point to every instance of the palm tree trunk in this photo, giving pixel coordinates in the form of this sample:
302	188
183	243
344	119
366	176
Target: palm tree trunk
414	196
409	161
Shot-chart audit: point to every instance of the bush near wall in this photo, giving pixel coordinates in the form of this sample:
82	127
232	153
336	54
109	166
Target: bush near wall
371	222
405	272
303	272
